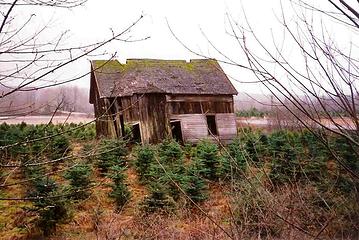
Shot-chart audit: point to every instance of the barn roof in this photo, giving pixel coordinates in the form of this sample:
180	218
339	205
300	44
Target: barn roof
199	76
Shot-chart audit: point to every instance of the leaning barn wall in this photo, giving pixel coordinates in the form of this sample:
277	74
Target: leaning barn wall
191	110
194	127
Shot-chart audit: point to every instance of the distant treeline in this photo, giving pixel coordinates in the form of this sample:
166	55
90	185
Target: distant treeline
252	112
45	101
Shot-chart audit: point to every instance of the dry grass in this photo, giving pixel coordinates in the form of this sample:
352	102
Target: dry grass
244	211
14	219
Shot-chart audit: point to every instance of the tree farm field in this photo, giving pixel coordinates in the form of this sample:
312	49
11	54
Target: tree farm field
72	185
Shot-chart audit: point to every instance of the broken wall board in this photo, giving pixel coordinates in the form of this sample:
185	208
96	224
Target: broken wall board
226	125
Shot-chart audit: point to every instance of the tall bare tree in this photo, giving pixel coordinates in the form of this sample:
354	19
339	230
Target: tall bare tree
32	56
311	71
319	87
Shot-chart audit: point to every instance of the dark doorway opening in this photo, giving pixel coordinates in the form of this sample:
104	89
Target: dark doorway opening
211	123
176	131
136	133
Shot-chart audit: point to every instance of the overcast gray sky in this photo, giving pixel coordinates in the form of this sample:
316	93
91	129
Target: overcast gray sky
187	19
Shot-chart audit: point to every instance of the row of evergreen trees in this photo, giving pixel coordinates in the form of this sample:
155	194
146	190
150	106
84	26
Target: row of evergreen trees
174	175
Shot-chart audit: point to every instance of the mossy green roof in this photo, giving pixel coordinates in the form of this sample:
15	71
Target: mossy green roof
199	76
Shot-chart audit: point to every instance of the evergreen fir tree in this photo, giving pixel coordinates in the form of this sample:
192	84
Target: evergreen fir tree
120	192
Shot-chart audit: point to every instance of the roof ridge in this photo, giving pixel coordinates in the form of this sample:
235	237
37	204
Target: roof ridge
197	76
155	59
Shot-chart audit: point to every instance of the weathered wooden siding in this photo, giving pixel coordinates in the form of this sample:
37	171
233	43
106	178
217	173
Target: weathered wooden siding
147	109
130	107
226	126
109	118
153	120
126	108
115	112
194	127
191	110
196	104
104	122
153	112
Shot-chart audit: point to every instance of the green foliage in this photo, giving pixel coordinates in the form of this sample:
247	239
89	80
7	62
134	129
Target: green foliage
152	173
285	150
170	152
10	134
188	149
165	180
256	146
346	151
233	162
88	150
171	157
145	156
60	147
128	131
49	204
158	199
196	188
172	180
206	155
250	148
80	179
54	147
314	146
120	192
82	133
111	153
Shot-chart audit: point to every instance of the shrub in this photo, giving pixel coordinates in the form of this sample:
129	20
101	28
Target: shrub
233	163
60	146
196	188
171	153
255	146
87	132
145	156
111	153
12	134
172	179
285	158
50	206
120	192
79	177
89	150
171	157
206	155
315	148
226	169
252	210
163	185
346	151
157	200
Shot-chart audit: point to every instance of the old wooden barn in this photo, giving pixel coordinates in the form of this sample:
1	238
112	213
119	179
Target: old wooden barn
157	99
